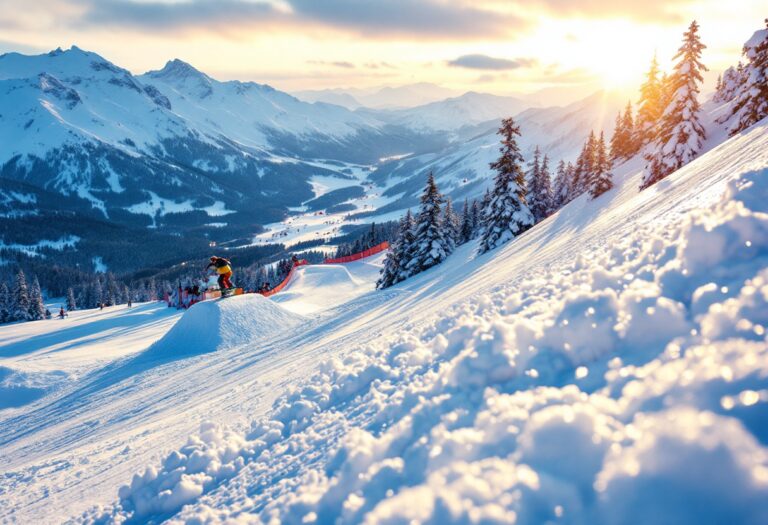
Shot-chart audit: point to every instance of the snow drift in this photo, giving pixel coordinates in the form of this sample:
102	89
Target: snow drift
225	323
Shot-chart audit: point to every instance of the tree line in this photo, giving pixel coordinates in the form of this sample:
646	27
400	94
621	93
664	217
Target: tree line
666	130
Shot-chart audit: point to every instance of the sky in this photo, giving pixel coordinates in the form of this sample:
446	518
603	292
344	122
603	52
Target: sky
496	46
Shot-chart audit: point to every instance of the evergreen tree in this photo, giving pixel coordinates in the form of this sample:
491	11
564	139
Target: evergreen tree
507	214
97	293
602	179
407	246
584	168
731	83
617	140
680	134
20	302
36	304
71	303
5	303
397	256
540	199
477	218
751	103
432	244
560	191
485	203
467	228
452	223
630	147
649	107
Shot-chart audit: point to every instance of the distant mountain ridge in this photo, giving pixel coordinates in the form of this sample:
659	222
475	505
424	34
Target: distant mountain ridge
179	153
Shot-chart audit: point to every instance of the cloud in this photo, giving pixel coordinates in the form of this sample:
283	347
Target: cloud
413	17
179	15
369	18
336	63
7	46
647	10
491	63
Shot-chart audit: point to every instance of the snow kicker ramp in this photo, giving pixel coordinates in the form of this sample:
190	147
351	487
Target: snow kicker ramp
315	288
224	323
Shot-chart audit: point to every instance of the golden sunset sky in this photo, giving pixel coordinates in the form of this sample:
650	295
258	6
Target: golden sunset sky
497	46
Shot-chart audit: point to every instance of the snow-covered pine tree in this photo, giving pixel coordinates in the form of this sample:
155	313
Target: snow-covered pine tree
484	203
680	133
540	199
20	298
546	178
617	140
560	191
96	294
71	303
507	214
584	168
5	303
630	146
467	229
731	84
602	178
452	223
649	106
534	165
751	103
406	246
391	267
36	305
477	218
667	92
432	243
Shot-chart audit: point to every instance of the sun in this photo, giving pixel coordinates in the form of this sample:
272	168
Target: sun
611	52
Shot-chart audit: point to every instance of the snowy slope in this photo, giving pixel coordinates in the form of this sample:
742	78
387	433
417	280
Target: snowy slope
318	288
454	113
38	357
461	169
631	328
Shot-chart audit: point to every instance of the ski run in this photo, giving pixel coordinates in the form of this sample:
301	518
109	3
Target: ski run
607	366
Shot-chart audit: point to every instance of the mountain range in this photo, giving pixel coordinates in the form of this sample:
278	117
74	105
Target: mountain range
170	157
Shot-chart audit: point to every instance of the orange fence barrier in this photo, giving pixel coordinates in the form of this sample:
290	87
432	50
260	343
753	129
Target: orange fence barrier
186	300
361	255
287	279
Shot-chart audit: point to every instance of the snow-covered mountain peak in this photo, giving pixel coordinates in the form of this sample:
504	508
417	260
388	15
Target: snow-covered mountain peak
71	64
184	77
179	70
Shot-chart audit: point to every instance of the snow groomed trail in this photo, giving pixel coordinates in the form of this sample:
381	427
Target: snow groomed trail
630	328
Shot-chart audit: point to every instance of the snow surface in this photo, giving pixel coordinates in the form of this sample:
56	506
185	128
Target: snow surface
318	288
225	323
609	365
38	357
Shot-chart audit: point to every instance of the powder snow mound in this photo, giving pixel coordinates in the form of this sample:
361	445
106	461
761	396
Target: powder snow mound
322	276
224	323
320	287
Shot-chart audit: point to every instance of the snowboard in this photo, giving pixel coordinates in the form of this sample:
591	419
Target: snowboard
228	292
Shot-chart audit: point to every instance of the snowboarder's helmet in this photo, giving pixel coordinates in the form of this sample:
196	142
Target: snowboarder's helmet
213	257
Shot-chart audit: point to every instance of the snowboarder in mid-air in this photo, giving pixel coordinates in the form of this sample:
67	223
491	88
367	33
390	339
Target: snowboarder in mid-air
224	269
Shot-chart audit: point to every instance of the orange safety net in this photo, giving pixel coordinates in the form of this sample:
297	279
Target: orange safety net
361	255
287	279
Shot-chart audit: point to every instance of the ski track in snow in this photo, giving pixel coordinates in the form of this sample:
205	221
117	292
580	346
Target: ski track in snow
614	353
